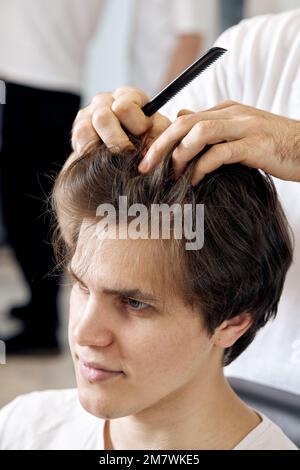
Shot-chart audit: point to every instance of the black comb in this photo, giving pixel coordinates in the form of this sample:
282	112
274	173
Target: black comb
182	80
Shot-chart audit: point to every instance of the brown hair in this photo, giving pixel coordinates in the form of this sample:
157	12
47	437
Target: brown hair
247	249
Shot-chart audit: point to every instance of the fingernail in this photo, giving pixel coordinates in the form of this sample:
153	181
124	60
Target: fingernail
146	162
144	165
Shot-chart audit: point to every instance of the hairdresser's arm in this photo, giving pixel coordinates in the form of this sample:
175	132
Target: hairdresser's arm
237	133
185	52
240	133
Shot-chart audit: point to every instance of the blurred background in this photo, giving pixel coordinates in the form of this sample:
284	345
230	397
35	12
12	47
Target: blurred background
55	55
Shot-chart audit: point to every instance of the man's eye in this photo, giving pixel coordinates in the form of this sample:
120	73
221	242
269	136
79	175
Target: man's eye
135	304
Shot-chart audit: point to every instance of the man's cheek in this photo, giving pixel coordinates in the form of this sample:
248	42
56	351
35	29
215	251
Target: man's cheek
77	306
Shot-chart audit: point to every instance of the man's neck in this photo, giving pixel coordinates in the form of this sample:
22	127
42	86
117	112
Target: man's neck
215	419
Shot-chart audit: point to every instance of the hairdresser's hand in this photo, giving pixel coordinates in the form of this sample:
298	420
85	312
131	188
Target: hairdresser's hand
238	133
106	115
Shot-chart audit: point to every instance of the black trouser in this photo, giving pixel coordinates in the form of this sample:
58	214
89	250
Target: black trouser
36	142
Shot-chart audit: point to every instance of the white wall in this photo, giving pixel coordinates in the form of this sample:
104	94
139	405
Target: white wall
107	60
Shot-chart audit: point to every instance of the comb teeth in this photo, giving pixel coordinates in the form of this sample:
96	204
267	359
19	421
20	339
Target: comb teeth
183	80
183	83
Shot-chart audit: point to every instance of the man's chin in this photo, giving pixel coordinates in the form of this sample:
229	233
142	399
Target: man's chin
94	404
100	403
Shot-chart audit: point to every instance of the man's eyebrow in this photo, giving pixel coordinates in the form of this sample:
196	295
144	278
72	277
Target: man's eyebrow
134	293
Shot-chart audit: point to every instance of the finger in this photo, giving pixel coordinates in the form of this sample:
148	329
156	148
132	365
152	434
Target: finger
163	144
223	105
128	109
124	90
83	133
107	125
205	133
184	112
160	124
220	154
171	136
175	133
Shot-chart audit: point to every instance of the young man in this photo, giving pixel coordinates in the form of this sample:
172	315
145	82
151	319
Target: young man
260	128
152	323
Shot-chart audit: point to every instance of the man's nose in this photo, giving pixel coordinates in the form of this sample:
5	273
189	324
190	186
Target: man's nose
94	327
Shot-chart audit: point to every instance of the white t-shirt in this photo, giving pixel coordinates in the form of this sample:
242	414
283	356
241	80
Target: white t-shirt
43	42
156	24
55	420
262	69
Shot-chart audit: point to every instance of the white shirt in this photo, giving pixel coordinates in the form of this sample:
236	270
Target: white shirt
156	26
43	42
55	420
262	69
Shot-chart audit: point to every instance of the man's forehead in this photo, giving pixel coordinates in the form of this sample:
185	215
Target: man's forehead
137	254
119	264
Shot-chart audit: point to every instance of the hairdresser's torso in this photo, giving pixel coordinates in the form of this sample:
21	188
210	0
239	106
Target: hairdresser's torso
262	69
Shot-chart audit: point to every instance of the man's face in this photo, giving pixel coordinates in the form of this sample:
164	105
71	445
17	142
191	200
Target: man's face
158	343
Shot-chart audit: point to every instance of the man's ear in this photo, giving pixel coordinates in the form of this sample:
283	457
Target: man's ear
231	330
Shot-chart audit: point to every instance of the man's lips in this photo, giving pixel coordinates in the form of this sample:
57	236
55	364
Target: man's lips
96	372
98	366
